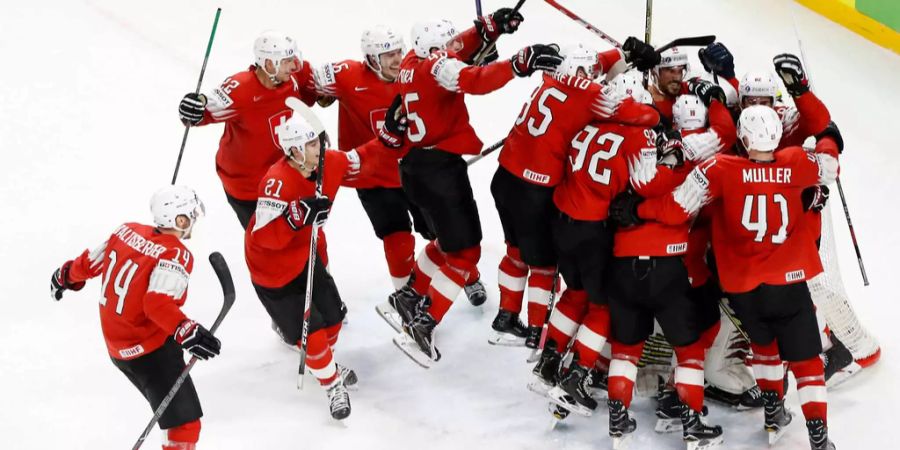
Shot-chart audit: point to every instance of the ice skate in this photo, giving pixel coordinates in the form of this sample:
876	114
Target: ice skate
777	417
546	371
339	399
388	309
836	359
818	435
475	293
572	391
349	376
621	424
508	330
421	333
668	411
533	337
696	433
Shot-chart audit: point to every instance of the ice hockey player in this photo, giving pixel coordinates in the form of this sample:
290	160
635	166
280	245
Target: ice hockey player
765	256
648	281
251	104
145	270
532	163
364	90
277	245
433	82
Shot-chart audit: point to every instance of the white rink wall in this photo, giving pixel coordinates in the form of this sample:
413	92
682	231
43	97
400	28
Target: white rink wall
89	129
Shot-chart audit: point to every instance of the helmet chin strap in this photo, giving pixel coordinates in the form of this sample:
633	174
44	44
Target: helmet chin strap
272	76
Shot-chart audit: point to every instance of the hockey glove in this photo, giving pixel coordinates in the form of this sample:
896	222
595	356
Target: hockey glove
790	69
623	209
393	129
669	148
536	57
59	282
191	108
699	147
640	54
196	339
814	198
717	59
833	132
706	91
502	21
307	211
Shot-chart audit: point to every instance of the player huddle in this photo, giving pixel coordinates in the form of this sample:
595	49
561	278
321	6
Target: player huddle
683	205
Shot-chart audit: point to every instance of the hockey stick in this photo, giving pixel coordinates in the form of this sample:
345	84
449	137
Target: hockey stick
187	127
862	267
648	23
310	117
485	152
478	8
221	268
490	48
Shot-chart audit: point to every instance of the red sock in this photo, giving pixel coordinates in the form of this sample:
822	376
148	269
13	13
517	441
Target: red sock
591	336
566	317
810	375
511	277
319	359
427	264
768	368
333	332
183	437
689	374
450	279
540	282
623	371
399	249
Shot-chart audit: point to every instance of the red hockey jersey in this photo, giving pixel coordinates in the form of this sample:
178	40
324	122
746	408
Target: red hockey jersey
145	279
432	90
251	112
363	101
758	234
597	168
560	107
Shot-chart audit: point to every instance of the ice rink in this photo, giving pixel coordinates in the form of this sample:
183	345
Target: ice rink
89	129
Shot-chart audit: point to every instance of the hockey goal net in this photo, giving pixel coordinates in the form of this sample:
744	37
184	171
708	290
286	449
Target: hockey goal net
828	294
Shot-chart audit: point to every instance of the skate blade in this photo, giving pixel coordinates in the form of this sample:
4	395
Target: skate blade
506	340
559	397
775	434
390	315
668	425
538	387
841	376
702	444
408	346
534	356
621	442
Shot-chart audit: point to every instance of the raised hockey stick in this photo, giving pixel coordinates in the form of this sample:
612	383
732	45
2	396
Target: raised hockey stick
486	152
478	8
187	127
648	23
584	23
862	267
490	48
221	268
310	117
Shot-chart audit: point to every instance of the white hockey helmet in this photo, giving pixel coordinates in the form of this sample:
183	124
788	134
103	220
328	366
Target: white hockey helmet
758	83
759	128
378	40
689	112
672	57
579	56
172	201
434	34
296	132
275	46
628	84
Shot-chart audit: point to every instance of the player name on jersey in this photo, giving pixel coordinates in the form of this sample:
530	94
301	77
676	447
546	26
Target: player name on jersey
780	175
138	243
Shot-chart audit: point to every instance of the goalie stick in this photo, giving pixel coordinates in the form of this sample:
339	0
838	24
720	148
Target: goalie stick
221	268
187	127
310	117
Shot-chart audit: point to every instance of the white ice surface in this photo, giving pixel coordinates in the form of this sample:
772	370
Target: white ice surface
88	129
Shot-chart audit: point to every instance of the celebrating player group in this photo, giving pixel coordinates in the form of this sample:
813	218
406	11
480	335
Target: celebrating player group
657	228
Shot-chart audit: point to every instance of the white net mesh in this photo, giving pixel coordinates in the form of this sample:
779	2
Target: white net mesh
829	295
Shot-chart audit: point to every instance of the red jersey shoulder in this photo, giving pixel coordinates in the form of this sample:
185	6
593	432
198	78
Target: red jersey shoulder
336	78
236	90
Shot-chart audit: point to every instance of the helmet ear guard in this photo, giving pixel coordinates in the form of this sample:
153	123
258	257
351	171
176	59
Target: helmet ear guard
170	202
274	46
